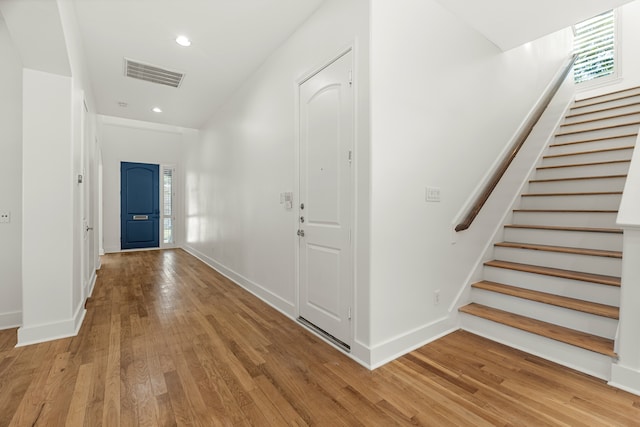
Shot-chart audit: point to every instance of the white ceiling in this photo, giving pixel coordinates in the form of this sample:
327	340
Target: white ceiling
231	38
511	23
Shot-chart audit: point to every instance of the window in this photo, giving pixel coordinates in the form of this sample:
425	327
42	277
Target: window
167	205
595	43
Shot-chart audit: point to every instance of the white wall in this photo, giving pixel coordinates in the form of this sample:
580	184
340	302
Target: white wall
246	157
124	140
47	238
10	181
55	90
445	103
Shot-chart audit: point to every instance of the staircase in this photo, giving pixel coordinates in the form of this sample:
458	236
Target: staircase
553	287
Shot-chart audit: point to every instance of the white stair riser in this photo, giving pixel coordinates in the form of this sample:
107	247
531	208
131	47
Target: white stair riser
573	357
604	156
585	263
572	239
566	219
581	171
611	100
602	144
613	121
599	201
577	185
602	113
587	291
601	133
584	322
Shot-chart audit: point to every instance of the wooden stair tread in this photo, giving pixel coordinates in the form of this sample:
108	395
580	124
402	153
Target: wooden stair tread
604	138
565	211
579	178
559	333
561	249
595	97
589	307
560	228
580	153
601	110
584	193
556	272
583	164
574	132
599	119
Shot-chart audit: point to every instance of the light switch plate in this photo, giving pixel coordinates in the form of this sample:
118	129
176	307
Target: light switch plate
432	194
5	217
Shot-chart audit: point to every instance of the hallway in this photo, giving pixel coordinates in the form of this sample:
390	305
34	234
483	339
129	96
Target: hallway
168	341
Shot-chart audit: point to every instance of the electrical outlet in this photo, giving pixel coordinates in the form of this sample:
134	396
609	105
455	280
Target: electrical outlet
5	216
436	297
432	194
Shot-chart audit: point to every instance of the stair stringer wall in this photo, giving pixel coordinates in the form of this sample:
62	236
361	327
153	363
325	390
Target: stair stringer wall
625	373
506	196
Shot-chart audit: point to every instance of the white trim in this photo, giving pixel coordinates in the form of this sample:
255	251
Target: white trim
624	378
616	76
88	290
51	331
407	342
10	320
175	197
285	307
139	124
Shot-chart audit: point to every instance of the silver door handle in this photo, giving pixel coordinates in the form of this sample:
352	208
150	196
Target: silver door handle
87	228
140	217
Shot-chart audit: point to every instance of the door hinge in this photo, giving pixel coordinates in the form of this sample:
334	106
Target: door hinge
350	157
350	77
349	314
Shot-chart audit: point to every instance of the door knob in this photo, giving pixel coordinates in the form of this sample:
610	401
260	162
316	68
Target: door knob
301	233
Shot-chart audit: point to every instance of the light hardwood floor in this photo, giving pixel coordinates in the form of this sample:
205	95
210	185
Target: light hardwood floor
167	341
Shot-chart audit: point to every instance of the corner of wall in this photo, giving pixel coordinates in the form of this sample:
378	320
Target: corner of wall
625	378
51	331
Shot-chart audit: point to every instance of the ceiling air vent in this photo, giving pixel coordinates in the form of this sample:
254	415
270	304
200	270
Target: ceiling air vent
151	73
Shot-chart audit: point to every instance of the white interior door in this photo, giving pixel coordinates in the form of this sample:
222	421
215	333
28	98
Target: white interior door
325	210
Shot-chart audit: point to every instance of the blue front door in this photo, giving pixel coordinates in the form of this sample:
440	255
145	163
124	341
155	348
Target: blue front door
140	206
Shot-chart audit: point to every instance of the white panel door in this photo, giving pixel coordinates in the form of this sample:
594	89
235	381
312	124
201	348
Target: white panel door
325	211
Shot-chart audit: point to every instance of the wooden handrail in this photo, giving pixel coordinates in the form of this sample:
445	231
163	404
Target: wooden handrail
517	144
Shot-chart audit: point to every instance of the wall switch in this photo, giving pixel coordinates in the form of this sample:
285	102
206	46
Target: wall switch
5	216
436	297
432	194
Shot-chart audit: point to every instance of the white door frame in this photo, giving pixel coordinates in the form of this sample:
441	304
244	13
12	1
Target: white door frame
352	182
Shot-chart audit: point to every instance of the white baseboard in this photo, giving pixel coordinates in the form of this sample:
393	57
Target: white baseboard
405	343
51	331
10	320
88	289
285	307
626	379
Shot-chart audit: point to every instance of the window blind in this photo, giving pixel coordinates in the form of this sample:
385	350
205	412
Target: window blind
595	45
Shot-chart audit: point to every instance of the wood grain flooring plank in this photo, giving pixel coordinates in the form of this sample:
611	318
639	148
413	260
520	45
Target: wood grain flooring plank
169	342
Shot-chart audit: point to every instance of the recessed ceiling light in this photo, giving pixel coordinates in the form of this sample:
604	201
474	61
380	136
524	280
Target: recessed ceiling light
156	110
183	41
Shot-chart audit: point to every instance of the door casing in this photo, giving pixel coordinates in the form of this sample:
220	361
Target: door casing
352	183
